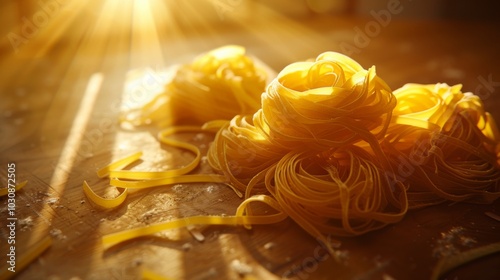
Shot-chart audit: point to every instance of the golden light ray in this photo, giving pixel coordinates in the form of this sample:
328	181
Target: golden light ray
43	37
60	109
284	29
169	29
75	136
146	47
57	27
69	153
92	47
198	23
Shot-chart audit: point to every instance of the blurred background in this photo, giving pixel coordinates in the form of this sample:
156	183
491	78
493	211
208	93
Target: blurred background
46	23
165	31
160	28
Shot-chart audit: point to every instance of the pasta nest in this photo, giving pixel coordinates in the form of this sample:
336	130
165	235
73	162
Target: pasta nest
218	84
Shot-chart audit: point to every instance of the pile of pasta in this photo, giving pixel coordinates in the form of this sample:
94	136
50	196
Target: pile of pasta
217	85
327	143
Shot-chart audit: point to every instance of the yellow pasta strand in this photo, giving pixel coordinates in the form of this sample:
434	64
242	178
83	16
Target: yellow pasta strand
29	256
150	275
194	178
154	178
119	164
5	191
163	137
116	238
109	203
342	194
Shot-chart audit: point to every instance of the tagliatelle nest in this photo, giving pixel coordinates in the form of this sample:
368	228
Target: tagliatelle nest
217	85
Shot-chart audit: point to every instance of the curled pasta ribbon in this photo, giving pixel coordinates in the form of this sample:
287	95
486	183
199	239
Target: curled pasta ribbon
109	203
128	179
238	219
174	176
5	191
454	156
194	178
219	84
163	138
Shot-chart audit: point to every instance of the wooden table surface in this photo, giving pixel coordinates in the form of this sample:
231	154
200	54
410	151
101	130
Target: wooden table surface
61	92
